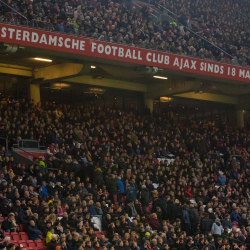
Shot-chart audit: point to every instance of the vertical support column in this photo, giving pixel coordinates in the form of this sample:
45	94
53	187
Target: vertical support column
240	118
149	103
35	93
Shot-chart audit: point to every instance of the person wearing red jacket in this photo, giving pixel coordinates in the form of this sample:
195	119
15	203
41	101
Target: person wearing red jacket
188	192
153	222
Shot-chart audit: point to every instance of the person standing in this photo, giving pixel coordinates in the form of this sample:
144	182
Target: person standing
186	223
194	218
217	228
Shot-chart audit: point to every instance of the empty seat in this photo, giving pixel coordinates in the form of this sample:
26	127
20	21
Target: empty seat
16	243
105	233
22	228
24	236
39	243
98	234
31	243
15	236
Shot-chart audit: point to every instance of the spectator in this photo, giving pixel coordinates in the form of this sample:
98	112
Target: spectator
33	232
145	198
186	223
78	13
8	224
49	235
121	186
235	215
217	228
52	243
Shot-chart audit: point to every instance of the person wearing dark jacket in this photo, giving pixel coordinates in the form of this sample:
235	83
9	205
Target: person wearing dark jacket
194	218
98	177
112	187
23	216
33	232
8	225
176	210
162	203
145	198
186	223
153	222
5	208
130	209
206	224
169	208
65	220
53	243
235	215
227	222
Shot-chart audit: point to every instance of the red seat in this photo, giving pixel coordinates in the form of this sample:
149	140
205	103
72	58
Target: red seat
15	236
22	227
98	234
1	218
16	243
31	243
149	208
39	243
6	234
23	242
105	233
24	236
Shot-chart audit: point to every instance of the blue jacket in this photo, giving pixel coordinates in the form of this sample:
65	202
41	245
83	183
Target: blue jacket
222	180
235	217
91	210
121	186
226	223
44	191
34	233
131	193
185	217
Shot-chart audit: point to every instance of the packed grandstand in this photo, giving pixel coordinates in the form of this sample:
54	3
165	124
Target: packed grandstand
214	30
123	180
127	179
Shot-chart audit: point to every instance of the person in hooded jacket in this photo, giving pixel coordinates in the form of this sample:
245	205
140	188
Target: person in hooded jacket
98	177
188	192
176	210
206	224
121	187
194	218
153	222
145	199
217	228
186	223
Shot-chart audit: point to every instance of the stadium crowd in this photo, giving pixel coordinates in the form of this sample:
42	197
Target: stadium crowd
154	184
217	30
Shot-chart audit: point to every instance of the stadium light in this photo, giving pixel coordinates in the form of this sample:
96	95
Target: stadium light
161	77
93	67
42	59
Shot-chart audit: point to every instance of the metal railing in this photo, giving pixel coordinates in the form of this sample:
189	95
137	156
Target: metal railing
190	30
18	13
47	26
